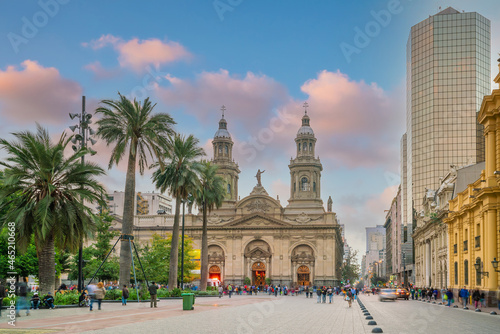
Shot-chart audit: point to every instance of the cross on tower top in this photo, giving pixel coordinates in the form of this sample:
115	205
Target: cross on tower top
223	108
305	105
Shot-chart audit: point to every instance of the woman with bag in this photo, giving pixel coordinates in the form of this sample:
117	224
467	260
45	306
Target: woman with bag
349	297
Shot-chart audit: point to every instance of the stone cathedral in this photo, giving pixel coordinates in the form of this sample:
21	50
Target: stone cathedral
256	237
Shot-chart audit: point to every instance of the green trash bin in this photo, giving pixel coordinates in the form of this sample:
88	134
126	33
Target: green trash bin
187	301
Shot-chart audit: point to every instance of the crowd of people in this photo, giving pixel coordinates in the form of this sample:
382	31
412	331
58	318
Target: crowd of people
447	296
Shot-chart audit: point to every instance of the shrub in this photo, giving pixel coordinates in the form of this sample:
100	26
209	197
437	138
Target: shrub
67	298
113	294
143	295
247	281
176	292
268	281
162	293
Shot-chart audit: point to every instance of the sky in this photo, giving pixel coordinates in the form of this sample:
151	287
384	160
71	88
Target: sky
260	59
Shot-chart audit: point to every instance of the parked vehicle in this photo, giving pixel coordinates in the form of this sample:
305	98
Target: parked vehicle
387	294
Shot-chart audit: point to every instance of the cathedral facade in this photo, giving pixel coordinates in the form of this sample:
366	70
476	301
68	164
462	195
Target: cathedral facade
258	238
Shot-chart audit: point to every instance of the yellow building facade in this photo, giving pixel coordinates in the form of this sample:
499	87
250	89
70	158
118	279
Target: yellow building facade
473	221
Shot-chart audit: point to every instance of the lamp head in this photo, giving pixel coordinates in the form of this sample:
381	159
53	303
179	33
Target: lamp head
72	116
73	127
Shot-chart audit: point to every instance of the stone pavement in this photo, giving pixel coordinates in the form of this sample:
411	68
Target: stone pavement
240	314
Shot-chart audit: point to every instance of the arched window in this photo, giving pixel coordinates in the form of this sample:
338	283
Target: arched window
228	188
310	147
226	150
294	187
456	273
299	146
314	186
220	149
304	146
304	184
478	275
466	272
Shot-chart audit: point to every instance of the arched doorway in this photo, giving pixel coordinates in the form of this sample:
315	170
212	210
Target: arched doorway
214	273
258	262
303	263
216	261
258	274
303	275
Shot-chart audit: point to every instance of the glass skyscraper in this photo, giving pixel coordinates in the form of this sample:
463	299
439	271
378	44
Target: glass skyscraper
448	73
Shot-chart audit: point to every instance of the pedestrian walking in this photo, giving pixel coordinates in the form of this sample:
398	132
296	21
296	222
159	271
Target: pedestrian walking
153	290
349	297
221	291
125	295
22	303
2	296
98	294
449	296
464	294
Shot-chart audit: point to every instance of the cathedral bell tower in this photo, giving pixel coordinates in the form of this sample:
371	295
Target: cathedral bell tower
223	157
305	169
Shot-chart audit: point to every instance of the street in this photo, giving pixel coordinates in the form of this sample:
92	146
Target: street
259	314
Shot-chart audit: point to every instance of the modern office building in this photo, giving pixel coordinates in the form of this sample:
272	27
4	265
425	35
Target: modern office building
448	73
375	248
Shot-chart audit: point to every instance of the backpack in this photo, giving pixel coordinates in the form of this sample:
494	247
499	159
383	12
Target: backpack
23	290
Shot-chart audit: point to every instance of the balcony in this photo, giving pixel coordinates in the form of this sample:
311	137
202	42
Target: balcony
466	245
478	241
455	249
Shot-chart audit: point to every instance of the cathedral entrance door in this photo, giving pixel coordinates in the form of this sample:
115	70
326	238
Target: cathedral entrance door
258	274
303	274
214	273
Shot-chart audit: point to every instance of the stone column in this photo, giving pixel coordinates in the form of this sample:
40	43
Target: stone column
427	261
490	244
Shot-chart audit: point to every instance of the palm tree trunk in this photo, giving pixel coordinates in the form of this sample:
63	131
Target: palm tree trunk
204	252
174	252
128	217
46	266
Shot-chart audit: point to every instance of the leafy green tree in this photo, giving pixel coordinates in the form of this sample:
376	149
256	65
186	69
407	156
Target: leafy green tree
96	253
209	195
155	258
51	190
180	179
25	264
351	268
132	125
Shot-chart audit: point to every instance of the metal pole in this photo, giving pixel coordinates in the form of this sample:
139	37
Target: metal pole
182	247
104	261
404	270
139	259
80	250
133	267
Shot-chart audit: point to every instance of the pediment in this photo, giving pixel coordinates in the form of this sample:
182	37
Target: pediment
258	203
257	221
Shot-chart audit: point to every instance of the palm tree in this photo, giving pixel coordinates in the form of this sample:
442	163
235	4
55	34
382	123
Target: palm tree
44	194
209	195
180	179
132	125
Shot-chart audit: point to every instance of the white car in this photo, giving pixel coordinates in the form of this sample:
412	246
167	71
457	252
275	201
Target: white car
387	294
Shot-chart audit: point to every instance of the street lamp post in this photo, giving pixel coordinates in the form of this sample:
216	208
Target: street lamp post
182	246
81	139
405	278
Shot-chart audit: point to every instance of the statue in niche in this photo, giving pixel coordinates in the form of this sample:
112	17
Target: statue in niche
329	205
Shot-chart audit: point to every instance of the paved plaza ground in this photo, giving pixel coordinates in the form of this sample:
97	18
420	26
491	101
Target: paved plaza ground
257	314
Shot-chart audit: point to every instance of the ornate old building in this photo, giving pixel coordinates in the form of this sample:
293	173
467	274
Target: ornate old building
258	238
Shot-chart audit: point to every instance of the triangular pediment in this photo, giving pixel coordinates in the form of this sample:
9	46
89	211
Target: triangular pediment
257	220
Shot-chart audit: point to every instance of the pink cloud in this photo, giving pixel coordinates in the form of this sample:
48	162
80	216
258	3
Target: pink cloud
356	124
139	54
37	93
101	73
249	99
